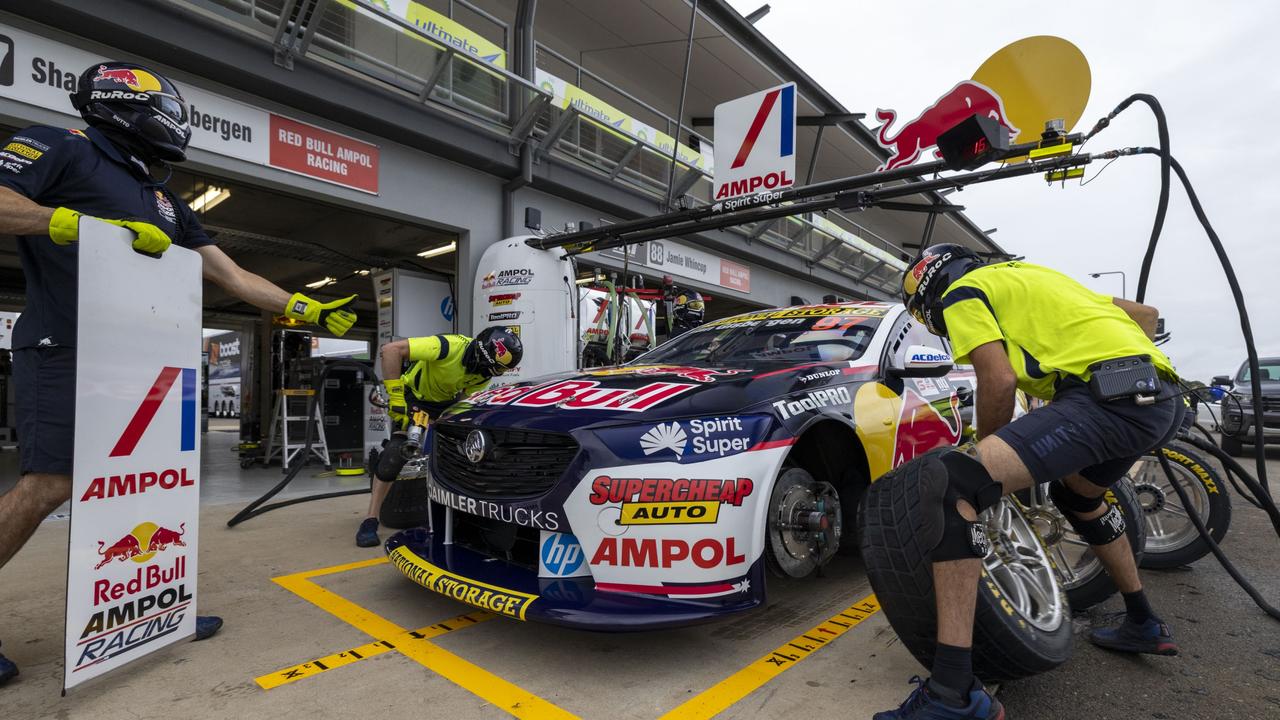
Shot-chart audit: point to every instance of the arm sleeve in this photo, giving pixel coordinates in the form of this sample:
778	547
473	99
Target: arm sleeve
429	349
970	320
193	234
34	159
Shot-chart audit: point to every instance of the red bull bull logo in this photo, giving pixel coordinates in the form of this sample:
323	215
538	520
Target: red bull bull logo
141	544
914	137
136	79
922	428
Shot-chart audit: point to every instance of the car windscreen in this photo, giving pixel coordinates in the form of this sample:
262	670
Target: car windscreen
1269	367
774	337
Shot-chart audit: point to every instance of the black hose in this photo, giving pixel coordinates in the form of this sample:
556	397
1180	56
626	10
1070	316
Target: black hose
1213	546
256	507
1259	455
1162	206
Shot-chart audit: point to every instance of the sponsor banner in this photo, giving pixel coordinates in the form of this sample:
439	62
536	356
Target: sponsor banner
564	94
502	601
439	28
814	400
668	257
44	71
669	513
687	441
318	153
132	564
756	143
560	556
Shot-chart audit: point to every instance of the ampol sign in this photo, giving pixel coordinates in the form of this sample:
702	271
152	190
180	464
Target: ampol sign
755	148
132	564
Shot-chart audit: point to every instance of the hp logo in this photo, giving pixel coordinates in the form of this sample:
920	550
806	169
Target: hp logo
561	555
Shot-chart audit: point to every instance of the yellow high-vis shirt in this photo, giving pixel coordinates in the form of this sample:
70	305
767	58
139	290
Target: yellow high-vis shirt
437	374
1051	326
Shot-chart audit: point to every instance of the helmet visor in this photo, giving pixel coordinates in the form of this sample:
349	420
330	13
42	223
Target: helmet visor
173	107
696	305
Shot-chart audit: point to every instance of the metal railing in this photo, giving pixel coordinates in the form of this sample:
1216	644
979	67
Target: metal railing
372	42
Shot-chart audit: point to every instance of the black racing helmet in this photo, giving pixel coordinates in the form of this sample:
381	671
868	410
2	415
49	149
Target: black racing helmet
493	352
689	308
130	99
929	276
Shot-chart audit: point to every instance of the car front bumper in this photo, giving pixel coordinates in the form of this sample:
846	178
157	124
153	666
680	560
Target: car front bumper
517	592
1239	424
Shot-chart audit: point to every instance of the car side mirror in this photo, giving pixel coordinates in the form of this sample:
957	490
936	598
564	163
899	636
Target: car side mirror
1221	380
922	361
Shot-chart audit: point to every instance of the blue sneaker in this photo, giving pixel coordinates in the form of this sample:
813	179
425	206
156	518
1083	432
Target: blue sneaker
924	703
367	535
207	626
8	670
1151	637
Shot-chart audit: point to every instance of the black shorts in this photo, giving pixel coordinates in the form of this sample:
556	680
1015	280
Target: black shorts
1077	434
45	380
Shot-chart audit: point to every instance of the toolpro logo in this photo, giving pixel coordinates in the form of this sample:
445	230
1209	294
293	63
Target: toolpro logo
764	159
146	411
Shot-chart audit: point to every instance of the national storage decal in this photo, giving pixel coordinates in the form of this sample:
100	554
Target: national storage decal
511	603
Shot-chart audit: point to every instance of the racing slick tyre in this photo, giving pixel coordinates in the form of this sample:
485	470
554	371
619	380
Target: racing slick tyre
1021	626
408	505
1172	540
1232	446
1081	573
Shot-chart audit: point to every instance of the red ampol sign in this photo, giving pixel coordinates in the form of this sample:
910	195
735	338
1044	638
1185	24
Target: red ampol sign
315	152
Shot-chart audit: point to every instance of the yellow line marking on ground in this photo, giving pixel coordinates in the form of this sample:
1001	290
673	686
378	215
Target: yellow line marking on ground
333	569
722	695
373	649
488	686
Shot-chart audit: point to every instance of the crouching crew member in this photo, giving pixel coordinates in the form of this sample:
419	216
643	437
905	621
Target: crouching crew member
442	369
1113	398
49	179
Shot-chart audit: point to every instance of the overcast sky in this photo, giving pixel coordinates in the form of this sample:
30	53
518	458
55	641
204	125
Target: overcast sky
1214	66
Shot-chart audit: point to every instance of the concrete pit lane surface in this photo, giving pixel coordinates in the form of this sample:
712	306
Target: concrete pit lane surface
318	628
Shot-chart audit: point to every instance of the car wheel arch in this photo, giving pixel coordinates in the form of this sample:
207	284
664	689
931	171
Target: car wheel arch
830	450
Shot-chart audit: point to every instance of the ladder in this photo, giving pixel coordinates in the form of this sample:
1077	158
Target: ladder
291	409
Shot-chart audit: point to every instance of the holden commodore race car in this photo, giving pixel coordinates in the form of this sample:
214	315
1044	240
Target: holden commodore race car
664	492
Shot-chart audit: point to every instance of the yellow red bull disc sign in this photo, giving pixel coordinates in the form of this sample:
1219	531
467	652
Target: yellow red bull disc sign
1022	86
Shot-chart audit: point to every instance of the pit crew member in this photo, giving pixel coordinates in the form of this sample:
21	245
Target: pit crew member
1028	327
442	369
689	310
50	178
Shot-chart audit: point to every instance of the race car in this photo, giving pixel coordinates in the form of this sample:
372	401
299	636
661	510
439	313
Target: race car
664	492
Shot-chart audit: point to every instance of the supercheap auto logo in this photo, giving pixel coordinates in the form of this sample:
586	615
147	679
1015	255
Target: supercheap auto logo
503	299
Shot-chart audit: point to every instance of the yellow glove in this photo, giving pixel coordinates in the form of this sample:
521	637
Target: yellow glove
331	315
64	229
397	408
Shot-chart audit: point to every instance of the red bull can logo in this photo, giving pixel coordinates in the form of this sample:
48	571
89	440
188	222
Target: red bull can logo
141	544
136	79
922	428
914	137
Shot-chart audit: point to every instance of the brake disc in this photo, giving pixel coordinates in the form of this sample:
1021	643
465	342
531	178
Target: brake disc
804	525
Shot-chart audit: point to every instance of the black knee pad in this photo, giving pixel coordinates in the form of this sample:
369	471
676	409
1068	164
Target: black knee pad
391	461
954	476
1101	530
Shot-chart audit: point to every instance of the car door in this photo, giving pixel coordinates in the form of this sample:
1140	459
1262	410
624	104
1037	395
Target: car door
930	412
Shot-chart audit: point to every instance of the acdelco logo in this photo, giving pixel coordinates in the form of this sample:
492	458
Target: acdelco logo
146	412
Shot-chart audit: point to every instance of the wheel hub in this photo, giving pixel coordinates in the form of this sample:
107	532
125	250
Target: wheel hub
804	527
1151	497
1047	523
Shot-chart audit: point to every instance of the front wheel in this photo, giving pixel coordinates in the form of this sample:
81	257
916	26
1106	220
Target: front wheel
1021	626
